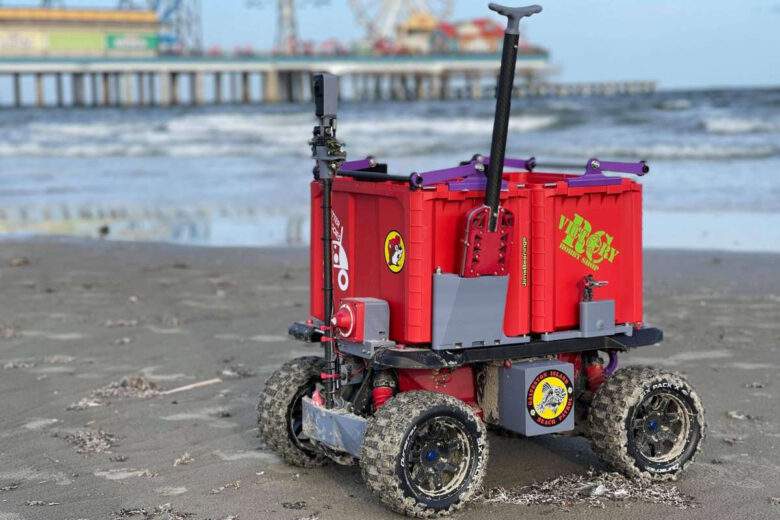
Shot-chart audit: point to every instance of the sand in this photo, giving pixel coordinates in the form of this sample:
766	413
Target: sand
79	317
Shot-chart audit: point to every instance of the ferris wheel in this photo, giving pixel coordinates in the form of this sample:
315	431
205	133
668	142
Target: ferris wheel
380	17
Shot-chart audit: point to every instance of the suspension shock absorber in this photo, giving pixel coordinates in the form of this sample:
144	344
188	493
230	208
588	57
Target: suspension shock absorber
594	371
384	388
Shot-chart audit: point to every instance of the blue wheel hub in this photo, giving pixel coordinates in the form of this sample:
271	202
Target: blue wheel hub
432	455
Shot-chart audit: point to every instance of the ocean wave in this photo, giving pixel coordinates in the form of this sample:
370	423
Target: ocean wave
733	125
118	150
251	135
295	147
450	126
674	104
667	151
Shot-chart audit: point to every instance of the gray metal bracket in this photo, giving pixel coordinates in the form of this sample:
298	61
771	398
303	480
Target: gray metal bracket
597	318
469	312
366	349
335	428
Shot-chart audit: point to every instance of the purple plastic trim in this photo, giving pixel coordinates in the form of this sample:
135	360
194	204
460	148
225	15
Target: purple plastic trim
594	173
525	164
438	176
475	183
473	172
361	164
637	168
613	363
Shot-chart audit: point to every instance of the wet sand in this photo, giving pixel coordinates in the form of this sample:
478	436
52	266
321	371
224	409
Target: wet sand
78	316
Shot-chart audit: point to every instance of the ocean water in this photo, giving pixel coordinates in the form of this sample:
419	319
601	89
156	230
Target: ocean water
239	175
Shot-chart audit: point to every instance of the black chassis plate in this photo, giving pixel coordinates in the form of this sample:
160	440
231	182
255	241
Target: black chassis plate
425	358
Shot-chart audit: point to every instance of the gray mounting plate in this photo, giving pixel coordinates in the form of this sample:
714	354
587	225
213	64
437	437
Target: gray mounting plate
469	312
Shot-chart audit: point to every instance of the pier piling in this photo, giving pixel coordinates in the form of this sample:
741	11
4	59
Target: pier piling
93	79
40	99
246	93
126	89
106	90
196	88
59	89
141	88
151	78
77	89
271	86
217	88
165	89
174	88
17	80
233	88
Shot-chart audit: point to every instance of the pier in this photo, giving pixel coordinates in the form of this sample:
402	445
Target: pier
175	81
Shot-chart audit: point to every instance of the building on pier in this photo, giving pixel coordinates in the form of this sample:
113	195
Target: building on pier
423	33
38	32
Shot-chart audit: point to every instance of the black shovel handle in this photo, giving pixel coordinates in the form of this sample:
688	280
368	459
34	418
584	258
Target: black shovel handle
506	81
514	15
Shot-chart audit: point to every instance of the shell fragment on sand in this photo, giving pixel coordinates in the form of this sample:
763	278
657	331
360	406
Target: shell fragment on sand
192	386
593	490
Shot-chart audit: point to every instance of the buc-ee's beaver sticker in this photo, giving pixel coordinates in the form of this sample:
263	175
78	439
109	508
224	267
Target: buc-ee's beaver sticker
395	251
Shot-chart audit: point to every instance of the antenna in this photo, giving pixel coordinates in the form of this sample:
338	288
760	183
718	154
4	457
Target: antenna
287	40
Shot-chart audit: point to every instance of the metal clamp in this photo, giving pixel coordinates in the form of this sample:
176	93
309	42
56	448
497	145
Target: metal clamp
589	283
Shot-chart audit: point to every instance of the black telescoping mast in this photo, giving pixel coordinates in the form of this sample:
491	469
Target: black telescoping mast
329	154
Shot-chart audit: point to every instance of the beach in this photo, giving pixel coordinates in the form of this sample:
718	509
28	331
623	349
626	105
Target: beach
129	373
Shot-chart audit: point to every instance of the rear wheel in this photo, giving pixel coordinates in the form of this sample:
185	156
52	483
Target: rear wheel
279	411
647	423
424	454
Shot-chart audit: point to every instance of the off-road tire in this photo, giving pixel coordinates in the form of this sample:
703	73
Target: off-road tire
389	435
613	408
276	402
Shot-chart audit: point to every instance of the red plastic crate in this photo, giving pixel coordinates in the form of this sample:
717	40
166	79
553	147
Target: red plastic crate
579	231
430	223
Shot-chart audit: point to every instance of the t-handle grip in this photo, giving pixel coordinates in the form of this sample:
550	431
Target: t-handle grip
515	14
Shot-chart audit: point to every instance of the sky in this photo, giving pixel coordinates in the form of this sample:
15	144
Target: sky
680	43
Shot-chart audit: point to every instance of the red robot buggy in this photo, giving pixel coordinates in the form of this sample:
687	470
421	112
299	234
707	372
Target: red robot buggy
488	295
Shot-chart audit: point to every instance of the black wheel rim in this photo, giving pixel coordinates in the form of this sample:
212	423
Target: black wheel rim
295	418
438	459
660	427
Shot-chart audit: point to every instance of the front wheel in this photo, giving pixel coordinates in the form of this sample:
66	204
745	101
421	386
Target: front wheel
424	454
280	414
646	423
